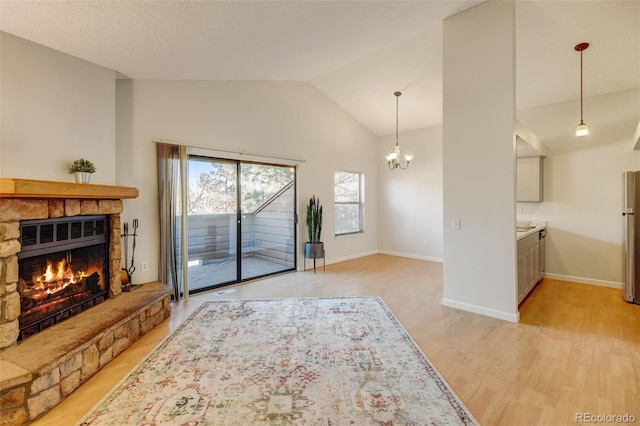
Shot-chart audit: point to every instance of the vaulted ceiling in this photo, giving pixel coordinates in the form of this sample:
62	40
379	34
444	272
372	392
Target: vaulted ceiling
356	52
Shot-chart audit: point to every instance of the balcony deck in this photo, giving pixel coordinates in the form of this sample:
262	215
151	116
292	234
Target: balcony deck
224	271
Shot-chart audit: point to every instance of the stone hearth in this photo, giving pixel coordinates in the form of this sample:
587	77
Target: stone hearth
43	369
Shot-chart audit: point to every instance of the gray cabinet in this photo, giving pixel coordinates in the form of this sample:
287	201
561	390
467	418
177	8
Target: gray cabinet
534	265
528	264
523	275
529	179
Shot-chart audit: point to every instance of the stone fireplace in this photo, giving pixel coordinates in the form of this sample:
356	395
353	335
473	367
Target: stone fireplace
41	200
78	226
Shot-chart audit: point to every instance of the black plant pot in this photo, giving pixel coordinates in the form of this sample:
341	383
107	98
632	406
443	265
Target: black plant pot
314	250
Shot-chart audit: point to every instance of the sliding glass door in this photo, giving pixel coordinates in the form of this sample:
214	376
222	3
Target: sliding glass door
240	220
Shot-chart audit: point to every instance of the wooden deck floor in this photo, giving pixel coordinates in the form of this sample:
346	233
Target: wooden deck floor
220	272
576	349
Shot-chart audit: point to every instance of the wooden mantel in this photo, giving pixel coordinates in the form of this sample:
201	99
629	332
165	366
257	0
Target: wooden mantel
28	188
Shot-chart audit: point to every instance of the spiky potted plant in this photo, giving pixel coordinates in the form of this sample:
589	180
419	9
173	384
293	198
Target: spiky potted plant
82	169
314	248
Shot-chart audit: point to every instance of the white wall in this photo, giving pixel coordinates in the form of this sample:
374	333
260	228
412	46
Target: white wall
479	272
281	119
410	201
55	108
582	184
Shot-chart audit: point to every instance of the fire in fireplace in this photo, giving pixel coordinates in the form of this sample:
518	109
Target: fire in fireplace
63	269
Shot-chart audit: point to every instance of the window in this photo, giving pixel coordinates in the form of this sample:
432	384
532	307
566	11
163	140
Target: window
349	202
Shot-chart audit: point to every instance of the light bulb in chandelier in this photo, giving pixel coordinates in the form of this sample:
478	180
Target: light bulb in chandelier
395	154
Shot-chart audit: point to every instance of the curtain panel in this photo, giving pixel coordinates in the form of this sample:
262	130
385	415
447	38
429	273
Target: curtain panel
168	158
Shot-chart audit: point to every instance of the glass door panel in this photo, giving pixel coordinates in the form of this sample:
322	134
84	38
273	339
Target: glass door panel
212	222
267	209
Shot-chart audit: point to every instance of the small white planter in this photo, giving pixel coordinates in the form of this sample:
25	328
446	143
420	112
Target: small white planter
82	177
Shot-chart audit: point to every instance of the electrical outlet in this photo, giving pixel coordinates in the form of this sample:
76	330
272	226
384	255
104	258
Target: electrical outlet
455	224
520	210
144	266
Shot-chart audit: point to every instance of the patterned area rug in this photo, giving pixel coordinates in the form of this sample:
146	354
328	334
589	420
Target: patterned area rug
320	362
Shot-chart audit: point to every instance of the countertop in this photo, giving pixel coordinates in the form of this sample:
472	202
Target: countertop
535	226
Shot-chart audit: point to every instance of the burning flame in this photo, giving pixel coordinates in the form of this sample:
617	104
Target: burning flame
55	279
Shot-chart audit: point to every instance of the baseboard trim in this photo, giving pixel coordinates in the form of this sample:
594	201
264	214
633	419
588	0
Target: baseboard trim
481	310
582	280
351	257
369	253
332	261
411	256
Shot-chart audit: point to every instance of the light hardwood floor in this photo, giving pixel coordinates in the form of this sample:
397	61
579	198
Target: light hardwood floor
575	350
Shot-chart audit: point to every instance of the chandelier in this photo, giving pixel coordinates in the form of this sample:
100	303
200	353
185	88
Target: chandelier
393	158
582	129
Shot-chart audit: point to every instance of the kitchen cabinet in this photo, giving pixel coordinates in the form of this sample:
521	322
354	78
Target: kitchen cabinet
534	265
529	179
523	275
529	272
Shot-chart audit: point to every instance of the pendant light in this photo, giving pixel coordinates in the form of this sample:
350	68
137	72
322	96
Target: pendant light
582	129
393	158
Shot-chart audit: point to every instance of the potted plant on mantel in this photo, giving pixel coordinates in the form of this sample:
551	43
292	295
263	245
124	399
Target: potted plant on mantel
314	248
82	169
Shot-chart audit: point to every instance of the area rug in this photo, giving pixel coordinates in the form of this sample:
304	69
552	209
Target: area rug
320	362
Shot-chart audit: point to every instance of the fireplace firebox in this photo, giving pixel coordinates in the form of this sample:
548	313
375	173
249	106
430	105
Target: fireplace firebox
63	269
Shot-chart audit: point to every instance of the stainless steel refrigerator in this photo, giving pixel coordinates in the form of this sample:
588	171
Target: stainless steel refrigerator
631	221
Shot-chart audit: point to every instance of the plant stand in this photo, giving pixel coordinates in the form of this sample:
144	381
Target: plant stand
314	251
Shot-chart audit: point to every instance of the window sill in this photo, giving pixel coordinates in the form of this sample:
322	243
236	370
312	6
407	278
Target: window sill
349	235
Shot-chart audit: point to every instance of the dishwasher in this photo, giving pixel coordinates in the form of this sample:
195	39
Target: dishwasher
542	235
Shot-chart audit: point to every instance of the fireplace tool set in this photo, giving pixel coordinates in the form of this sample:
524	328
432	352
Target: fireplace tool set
127	272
